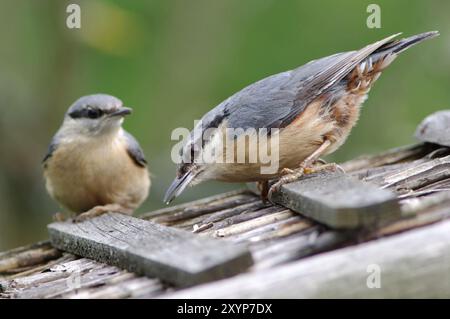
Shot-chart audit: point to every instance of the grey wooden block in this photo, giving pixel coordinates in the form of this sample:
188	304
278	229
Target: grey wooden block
178	257
435	128
339	201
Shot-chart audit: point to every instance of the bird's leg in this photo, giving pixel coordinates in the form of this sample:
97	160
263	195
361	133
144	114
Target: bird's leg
100	210
263	187
290	175
318	165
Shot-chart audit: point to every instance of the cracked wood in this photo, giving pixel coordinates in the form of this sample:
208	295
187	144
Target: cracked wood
154	250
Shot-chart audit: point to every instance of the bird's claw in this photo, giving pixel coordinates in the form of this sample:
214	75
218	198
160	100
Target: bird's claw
289	175
100	210
286	171
88	215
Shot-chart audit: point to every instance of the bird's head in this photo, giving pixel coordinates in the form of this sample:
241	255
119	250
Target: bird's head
189	171
95	115
200	154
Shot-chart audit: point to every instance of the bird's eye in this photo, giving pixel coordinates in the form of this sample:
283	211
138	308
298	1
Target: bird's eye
94	113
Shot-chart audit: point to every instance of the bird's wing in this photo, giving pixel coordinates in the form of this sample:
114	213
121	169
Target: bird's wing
337	70
134	150
277	100
51	149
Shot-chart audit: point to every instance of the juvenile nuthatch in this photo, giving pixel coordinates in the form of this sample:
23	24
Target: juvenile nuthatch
93	165
314	108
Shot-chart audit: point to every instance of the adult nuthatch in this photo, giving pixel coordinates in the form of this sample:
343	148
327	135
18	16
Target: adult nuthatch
93	165
313	108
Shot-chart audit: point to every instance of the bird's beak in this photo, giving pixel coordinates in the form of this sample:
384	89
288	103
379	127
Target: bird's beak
123	111
178	185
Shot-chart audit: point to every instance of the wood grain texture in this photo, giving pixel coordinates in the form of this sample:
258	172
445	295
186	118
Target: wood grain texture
19	259
413	264
174	214
81	278
150	249
389	157
339	201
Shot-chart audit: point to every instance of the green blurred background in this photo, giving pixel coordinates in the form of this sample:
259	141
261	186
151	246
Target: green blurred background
174	60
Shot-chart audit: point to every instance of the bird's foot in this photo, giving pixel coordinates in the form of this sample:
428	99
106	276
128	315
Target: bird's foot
291	175
287	176
100	210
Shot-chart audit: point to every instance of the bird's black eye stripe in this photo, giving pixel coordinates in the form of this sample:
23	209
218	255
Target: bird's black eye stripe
94	113
87	112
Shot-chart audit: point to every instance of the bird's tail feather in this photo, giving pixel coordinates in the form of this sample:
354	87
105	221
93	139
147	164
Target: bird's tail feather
368	71
398	46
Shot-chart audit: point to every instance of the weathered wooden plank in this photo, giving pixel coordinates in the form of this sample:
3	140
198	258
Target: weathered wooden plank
133	288
19	259
233	220
280	230
420	175
413	264
435	128
275	230
377	175
339	201
60	281
62	270
198	204
195	211
253	223
222	214
15	251
147	248
422	211
298	247
391	156
30	271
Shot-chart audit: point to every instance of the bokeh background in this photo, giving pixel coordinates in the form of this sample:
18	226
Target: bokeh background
174	60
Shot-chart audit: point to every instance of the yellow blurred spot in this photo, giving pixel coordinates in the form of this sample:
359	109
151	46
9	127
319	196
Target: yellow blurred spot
108	28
